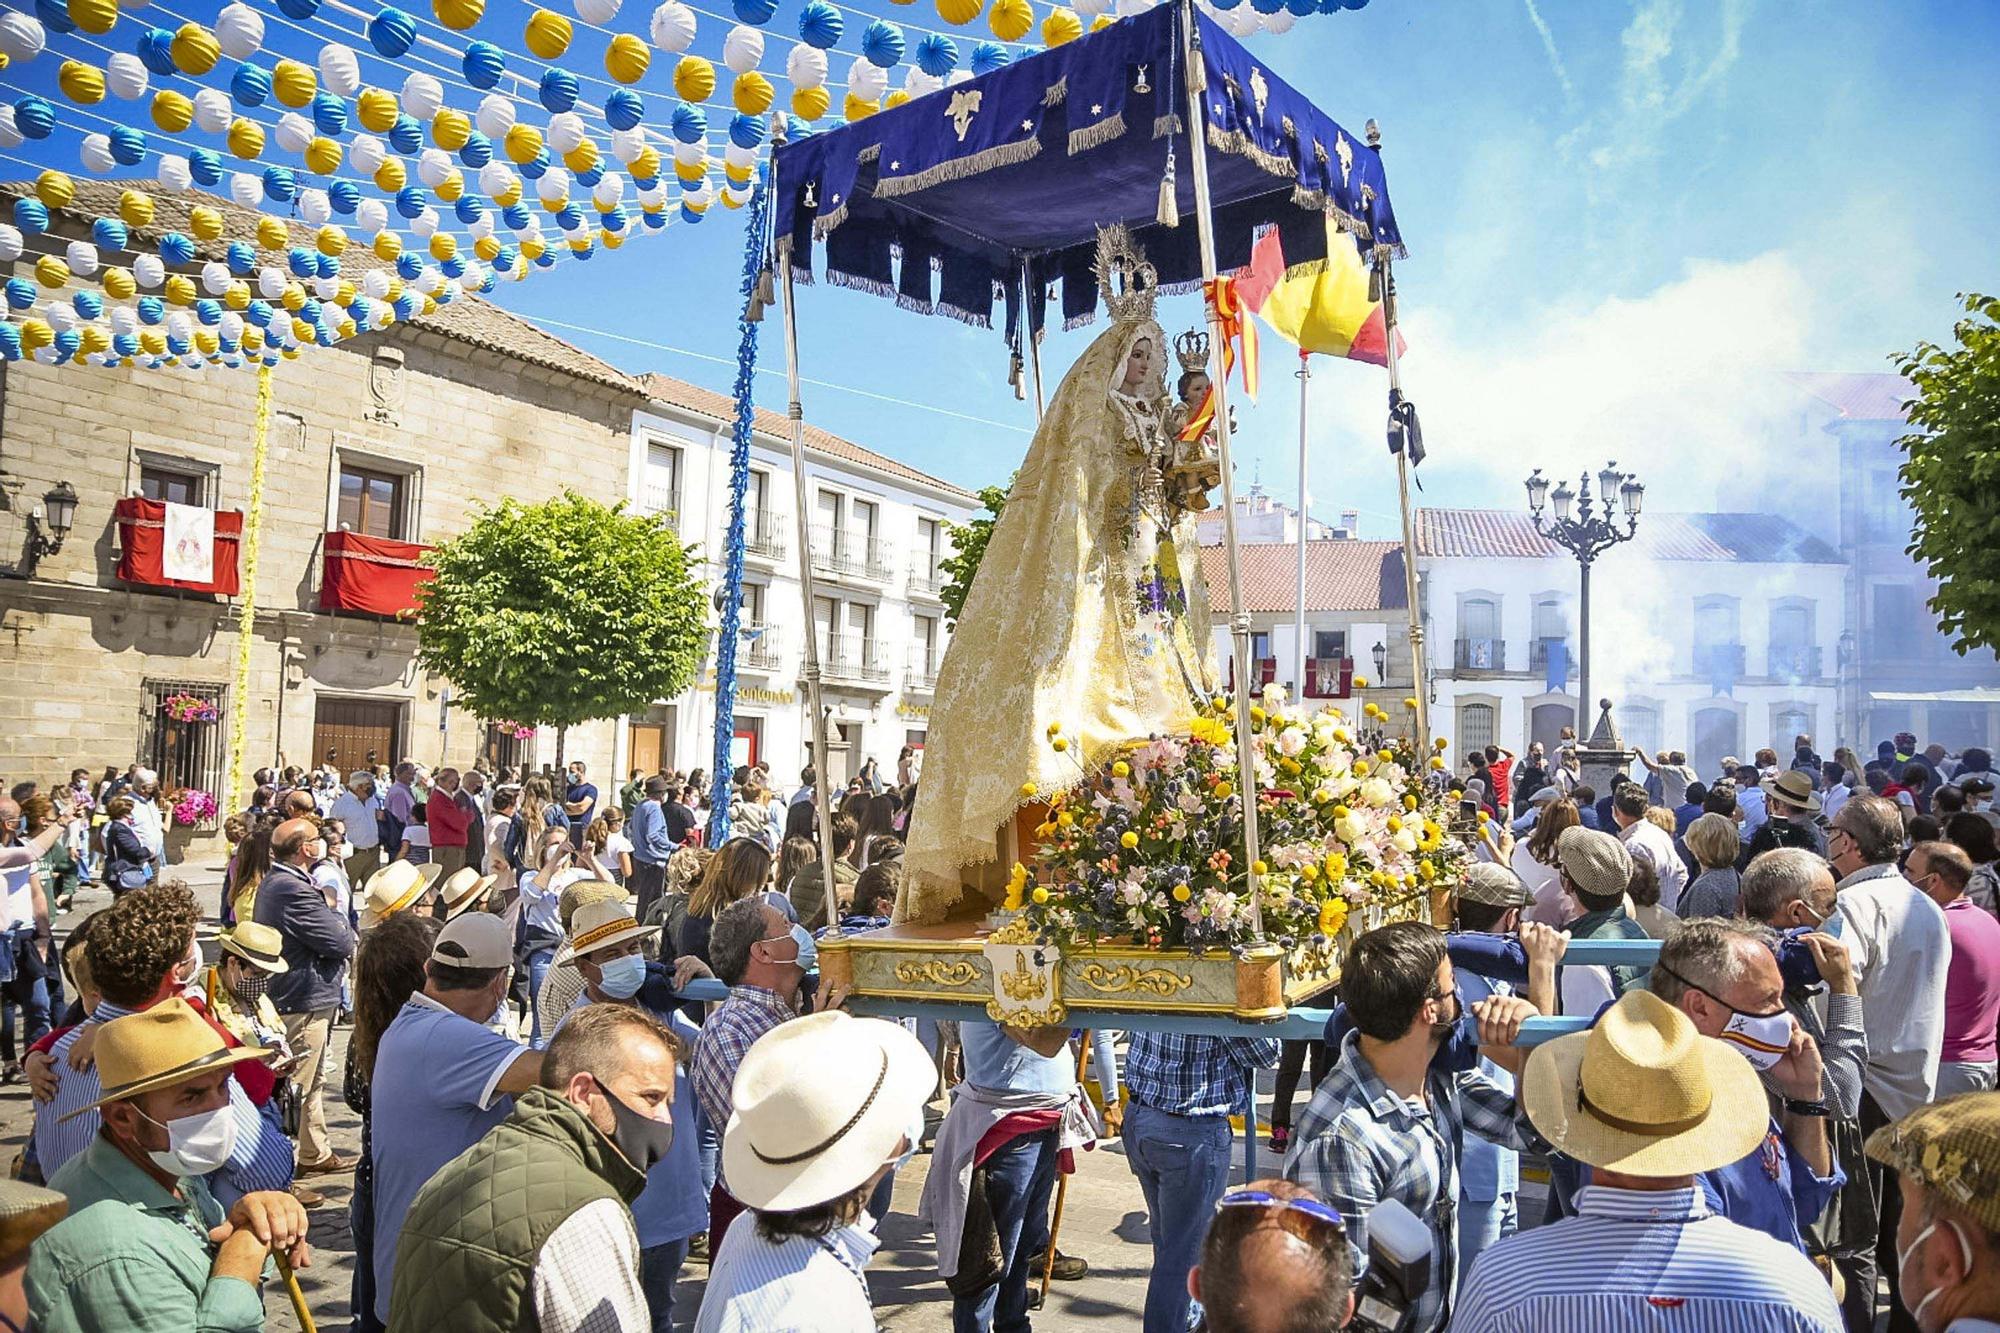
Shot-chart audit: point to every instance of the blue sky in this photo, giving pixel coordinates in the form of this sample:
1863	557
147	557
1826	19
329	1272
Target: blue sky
1621	218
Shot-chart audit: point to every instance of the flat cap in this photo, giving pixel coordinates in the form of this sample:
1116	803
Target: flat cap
1952	1149
1494	885
1595	862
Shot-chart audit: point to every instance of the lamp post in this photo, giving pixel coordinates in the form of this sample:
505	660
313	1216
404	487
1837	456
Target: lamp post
1586	533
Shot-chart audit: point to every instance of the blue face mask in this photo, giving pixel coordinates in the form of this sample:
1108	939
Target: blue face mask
621	977
808	958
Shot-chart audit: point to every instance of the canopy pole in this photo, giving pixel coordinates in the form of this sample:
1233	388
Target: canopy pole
1196	90
1419	667
1033	345
822	773
1305	377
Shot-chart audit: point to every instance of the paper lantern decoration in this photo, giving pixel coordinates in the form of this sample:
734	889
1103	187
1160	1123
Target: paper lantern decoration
175	173
392	32
689	124
1010	20
959	12
391	176
119	284
10	134
155	50
743	49
1282	21
458	15
240	258
672	26
249	86
483	64
329	114
172	111
597	12
21	294
752	93
246	139
937	55
294	83
149	271
205	222
247	190
340	69
239	31
194	49
322	156
281	184
547	34
365	153
376	109
387	246
858	108
126	77
55	189
624	109
98	16
806	66
626	58
51	272
31	216
919	84
331	241
109	234
565	132
988	56
315	207
422	96
80	82
95	154
883	44
128	145
215	277
522	143
406	136
433	165
1062	25
746	131
820	24
583	158
204	164
450	128
212	112
866	80
495	115
694	79
22	37
476	151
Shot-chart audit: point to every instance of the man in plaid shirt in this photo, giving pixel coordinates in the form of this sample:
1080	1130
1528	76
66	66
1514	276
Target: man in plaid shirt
1388	1122
1181	1090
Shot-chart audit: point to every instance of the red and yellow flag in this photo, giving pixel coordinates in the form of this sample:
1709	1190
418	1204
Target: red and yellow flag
1325	311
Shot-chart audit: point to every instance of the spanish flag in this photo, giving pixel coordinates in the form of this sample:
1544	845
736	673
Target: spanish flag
1326	310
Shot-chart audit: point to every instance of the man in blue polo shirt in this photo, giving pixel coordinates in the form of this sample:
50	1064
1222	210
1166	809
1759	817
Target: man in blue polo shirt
442	1077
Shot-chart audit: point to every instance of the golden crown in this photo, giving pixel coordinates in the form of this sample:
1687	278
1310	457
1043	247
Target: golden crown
1192	349
1129	284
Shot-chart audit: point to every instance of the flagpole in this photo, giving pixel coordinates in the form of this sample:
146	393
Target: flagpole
1419	668
1299	678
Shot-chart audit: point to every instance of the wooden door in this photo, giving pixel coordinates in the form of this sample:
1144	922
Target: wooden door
355	732
648	748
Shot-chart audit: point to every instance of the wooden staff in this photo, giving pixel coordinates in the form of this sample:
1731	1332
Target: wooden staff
292	1290
1062	1180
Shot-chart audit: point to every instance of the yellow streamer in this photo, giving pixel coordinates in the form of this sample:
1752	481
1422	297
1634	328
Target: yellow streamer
246	616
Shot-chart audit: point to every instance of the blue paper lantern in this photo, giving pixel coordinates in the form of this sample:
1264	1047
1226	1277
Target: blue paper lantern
820	24
570	216
31	216
208	310
558	90
362	311
453	267
109	235
176	249
406	136
281	184
179	346
483	64
154	48
392	32
329	113
756	13
54	15
469	209
34	117
506	258
937	54
310	311
590	175
989	56
128	145
326	266
344	196
67	343
689	215
689	124
797	128
1302	7
125	344
882	43
250	85
241	256
205	166
151	310
20	293
645	182
10	340
617	219
405	306
746	131
517	217
409	266
477	152
654	221
299	9
258	312
300	261
90	305
546	259
411	201
624	109
535	167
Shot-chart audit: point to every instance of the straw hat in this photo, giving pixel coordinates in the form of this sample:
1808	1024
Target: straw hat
1792	787
1644	1093
394	887
1952	1148
821	1103
464	889
599	925
158	1047
256	944
26	1211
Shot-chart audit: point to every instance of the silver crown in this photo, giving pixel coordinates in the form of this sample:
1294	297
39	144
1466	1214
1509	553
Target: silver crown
1129	284
1192	349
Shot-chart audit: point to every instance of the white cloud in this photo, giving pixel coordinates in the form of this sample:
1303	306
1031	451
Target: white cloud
1549	48
1654	90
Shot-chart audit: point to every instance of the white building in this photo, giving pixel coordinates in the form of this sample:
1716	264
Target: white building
1262	518
877	531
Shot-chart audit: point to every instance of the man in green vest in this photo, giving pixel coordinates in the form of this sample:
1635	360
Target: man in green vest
531	1227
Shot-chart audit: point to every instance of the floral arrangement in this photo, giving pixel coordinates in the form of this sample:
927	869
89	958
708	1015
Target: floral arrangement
1146	848
192	805
517	730
190	708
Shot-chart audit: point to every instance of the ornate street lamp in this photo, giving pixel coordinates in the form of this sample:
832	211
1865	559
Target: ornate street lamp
1586	527
1381	655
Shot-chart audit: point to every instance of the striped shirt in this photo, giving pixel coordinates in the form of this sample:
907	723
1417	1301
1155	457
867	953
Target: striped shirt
1191	1075
1645	1261
798	1285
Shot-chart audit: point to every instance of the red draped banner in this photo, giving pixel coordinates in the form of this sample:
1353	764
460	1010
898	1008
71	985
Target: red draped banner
142	543
374	575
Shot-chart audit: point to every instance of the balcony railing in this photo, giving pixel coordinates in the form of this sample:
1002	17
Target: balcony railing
926	579
838	551
1480	655
759	648
923	669
661	499
764	534
1538	653
1329	677
1267	671
1795	661
1719	659
852	657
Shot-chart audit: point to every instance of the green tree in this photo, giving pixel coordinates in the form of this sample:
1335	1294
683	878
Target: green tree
1952	474
968	543
556	613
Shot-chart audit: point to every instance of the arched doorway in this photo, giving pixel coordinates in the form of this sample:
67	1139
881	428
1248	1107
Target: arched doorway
1716	736
1545	724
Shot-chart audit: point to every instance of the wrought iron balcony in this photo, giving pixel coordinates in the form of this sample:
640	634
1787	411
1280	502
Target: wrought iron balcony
926	578
923	669
759	647
1480	655
764	534
838	551
852	657
1795	661
1538	653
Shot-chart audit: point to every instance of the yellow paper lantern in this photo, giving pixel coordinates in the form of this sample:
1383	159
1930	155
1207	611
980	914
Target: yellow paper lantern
99	16
395	291
119	284
450	128
694	79
611	239
443	246
738	174
458	15
582	157
51	271
1101	22
752	93
55	189
253	339
136	208
430	305
330	240
272	233
194	49
172	111
93	338
303	331
510	196
626	58
856	108
323	156
376	109
548	33
579	244
390	176
246	138
293	298
289	354
204	222
689	171
959	11
1010	19
151	341
344	294
653	207
36	334
237	295
344	329
811	103
522	144
207	340
532	249
452	186
487	248
647	164
895	98
293	83
180	289
388	246
80	82
1062	25
731	201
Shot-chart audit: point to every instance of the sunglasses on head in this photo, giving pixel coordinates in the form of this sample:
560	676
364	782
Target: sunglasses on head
1308	1219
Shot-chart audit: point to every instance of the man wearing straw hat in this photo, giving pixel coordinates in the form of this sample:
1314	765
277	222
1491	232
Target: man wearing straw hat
146	1247
1648	1103
26	1212
1792	803
396	887
1947	1163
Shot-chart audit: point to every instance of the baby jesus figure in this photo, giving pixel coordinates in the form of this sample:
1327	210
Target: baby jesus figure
1193	466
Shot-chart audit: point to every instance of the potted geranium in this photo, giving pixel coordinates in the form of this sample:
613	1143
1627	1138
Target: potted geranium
192	807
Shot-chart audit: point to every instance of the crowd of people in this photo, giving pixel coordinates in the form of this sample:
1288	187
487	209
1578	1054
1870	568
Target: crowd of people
1790	1109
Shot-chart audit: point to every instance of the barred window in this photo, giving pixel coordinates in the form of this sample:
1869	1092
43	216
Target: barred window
1475	727
182	743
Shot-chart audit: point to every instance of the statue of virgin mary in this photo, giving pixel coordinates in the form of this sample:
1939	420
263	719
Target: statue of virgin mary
1088	612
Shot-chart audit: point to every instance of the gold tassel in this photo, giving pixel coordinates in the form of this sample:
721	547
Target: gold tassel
1169	214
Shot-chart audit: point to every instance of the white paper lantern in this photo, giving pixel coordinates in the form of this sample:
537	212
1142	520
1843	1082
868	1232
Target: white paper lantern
475	275
565	131
239	31
231	325
339	70
326	288
609	192
293	132
496	178
917	83
429	280
425	223
95	152
1090	9
673	26
433	166
598	12
627	144
736	155
10	242
124	319
735	196
125	75
690	154
215	277
270	282
372	215
866	79
81	257
806	66
553	187
174	173
212	112
495	116
315	207
957	76
380	316
481	225
58	315
44	356
180	324
245	189
1242	21
743	48
422	95
10	133
365	153
451	291
655	197
22	36
1280	22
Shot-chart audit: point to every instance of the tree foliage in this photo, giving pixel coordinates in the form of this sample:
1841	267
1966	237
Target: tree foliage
968	541
556	613
1951	475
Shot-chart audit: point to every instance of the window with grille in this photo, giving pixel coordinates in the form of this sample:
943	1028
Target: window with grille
185	753
1475	727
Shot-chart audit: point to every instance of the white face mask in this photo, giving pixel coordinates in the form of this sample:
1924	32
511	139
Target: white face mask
196	1144
1903	1260
1762	1038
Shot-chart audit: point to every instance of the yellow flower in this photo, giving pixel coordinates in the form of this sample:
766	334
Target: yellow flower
1340	734
1288	765
1040	895
1360	682
1332	916
1308	872
1223	791
1055	728
1128	840
1121	769
1336	866
1440	743
1182	893
1218	703
1485	816
1437	763
1340	812
1256	713
1065	820
1259	868
1409	802
1427	870
1411	703
1360	768
1395	825
1029	789
1059	744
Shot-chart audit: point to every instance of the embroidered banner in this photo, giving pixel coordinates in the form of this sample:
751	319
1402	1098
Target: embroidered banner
188	550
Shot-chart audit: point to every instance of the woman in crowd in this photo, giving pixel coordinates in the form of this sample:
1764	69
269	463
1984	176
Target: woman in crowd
795	853
416	848
878	820
246	870
607	852
1713	891
1974	836
906	767
1643	892
739	868
1534	860
537	815
539	933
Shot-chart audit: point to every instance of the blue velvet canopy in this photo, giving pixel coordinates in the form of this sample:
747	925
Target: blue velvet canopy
941	201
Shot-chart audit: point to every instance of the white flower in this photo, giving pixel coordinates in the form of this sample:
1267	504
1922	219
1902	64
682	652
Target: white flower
1274	696
1344	785
1291	742
1377	792
1349	828
1405	839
